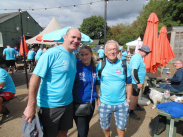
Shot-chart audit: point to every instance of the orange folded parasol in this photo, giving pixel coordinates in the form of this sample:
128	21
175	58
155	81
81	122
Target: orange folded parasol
25	47
152	61
166	51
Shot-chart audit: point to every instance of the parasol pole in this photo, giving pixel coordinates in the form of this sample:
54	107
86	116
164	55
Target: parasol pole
25	64
105	18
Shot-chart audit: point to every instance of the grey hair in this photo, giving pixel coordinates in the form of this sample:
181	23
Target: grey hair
111	41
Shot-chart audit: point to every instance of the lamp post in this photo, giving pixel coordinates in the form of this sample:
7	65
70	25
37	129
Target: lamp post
21	27
105	18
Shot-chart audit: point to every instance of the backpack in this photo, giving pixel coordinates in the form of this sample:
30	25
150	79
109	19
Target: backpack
157	125
104	63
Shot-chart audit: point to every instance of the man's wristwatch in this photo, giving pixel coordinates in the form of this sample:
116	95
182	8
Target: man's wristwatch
128	100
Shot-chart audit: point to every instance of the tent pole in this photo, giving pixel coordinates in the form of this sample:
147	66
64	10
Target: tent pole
25	64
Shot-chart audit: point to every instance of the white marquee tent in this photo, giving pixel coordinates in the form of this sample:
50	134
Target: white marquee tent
52	26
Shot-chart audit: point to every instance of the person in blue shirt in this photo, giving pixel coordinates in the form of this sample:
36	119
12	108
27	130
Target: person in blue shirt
138	70
7	87
84	88
124	54
100	53
175	84
57	70
31	59
39	53
114	95
10	54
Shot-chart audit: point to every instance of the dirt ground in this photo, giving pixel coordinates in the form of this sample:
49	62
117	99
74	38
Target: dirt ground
10	125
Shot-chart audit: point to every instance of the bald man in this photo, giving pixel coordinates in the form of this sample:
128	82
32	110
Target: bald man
57	69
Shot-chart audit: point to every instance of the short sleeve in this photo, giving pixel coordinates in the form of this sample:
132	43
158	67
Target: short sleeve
97	69
135	63
43	65
3	76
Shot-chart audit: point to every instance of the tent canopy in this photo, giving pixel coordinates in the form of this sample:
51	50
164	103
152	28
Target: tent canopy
133	43
52	26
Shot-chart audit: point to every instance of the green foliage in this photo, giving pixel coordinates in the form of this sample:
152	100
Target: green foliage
170	13
122	33
92	46
94	27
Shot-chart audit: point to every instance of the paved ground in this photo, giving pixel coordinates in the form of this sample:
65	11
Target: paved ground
10	125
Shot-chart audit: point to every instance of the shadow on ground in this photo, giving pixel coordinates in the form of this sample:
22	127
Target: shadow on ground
132	127
19	78
16	108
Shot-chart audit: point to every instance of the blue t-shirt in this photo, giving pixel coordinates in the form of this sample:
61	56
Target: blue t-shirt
57	69
101	53
10	53
6	78
84	81
38	54
31	54
112	83
124	53
137	62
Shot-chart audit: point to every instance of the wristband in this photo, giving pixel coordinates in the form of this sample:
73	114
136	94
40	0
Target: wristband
128	100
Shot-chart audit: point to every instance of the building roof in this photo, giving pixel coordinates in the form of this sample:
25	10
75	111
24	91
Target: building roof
6	16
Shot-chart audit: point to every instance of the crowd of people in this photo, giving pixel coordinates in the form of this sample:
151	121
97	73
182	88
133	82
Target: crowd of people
68	86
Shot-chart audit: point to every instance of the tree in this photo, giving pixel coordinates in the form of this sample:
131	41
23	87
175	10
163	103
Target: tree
94	27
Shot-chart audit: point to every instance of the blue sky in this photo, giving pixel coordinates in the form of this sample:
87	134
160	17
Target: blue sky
118	11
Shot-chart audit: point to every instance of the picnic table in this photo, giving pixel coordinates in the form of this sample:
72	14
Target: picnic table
170	125
154	78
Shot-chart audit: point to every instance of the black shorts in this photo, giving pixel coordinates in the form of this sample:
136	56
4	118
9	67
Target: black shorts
135	90
55	119
10	63
31	60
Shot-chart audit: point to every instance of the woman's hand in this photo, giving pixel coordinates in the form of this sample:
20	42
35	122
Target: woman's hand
98	102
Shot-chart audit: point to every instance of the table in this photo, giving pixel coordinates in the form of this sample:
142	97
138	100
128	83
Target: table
154	78
170	126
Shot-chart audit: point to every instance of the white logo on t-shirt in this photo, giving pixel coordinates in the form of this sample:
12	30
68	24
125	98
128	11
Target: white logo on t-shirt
82	76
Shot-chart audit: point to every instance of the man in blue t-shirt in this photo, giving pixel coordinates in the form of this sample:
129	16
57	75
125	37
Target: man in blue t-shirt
10	54
113	96
7	87
138	70
124	54
30	57
57	70
100	53
39	53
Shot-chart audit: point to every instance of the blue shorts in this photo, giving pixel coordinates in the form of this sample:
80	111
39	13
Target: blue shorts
121	113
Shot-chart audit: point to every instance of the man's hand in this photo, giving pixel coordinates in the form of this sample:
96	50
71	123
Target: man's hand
139	86
128	102
29	113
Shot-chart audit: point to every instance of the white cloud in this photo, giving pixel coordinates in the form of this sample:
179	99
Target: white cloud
118	11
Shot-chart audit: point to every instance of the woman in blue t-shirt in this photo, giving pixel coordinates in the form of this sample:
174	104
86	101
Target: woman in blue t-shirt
84	84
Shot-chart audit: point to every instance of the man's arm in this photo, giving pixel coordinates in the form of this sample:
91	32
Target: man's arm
31	105
2	85
128	92
177	77
136	78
